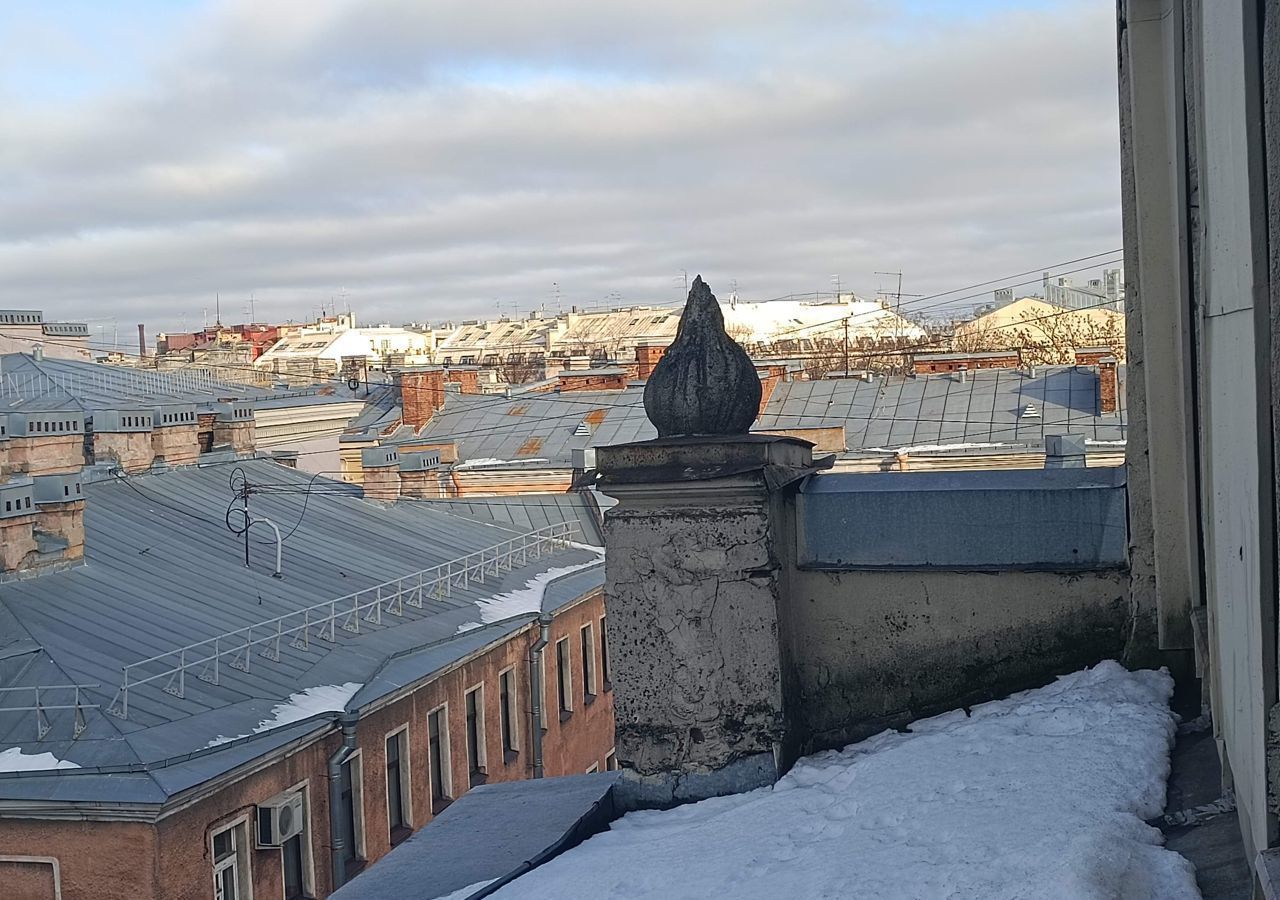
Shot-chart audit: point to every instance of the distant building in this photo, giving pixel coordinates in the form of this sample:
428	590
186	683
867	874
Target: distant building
1042	331
1106	292
316	352
21	330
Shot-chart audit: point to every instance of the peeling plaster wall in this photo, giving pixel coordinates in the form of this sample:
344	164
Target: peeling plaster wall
696	586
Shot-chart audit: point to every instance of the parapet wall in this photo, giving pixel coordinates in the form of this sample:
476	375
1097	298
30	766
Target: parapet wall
915	593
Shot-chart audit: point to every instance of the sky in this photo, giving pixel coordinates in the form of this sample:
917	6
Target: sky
431	161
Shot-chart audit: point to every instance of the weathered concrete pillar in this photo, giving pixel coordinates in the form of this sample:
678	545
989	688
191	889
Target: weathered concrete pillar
697	550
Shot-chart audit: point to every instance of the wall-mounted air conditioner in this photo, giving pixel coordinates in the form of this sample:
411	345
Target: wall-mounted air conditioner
279	819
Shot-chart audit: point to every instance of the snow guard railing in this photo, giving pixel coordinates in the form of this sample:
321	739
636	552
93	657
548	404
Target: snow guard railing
323	621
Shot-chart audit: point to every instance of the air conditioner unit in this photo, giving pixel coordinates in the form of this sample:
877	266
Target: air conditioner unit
279	819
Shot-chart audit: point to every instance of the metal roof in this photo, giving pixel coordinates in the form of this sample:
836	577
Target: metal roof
532	511
163	571
983	407
31	384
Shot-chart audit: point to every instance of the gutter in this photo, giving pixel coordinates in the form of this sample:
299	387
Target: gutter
539	692
337	844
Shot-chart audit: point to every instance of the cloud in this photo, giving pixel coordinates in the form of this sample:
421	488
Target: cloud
432	159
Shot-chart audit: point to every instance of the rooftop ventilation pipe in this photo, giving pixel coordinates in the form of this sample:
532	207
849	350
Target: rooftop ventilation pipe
964	374
337	842
37	353
536	711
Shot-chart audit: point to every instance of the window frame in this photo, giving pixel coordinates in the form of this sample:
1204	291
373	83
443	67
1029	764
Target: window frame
587	645
444	759
611	760
564	678
478	773
305	840
509	713
606	682
397	833
239	861
359	853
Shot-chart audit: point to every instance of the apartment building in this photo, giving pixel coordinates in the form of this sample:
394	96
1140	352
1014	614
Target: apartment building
175	722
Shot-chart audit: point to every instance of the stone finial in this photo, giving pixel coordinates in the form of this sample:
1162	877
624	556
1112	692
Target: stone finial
705	383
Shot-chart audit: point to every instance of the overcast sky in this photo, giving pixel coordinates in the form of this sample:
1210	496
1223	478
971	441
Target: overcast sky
434	158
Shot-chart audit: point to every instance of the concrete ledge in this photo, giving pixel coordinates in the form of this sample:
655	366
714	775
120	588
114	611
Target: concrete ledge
634	791
1058	519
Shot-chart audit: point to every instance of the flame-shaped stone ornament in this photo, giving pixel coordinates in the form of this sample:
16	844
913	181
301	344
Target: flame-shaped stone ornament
705	383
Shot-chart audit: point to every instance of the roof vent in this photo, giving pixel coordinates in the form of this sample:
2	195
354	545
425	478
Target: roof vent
582	429
1030	411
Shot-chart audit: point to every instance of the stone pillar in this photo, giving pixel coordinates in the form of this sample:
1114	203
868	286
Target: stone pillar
696	549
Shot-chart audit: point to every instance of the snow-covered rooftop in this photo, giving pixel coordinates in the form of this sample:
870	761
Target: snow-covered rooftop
1042	795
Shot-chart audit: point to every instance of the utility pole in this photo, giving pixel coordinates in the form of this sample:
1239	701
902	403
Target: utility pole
897	306
846	346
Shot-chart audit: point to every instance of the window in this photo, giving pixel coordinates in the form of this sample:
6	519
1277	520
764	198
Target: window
593	768
230	853
438	763
475	735
611	761
399	816
295	854
564	678
588	642
508	712
350	811
604	655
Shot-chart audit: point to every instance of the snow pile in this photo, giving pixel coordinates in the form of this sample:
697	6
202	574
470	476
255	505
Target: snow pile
527	599
14	760
1039	796
302	705
484	461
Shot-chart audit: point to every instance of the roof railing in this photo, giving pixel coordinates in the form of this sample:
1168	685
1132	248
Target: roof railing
325	620
41	707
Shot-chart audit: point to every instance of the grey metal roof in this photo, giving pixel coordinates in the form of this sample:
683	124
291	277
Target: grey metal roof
882	413
984	407
526	512
28	383
506	829
162	571
539	426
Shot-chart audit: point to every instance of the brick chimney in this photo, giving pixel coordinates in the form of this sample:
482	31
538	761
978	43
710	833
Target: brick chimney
233	426
60	515
123	437
1091	356
647	356
467	379
175	435
419	475
593	380
41	522
421	394
43	443
770	376
381	468
1108	386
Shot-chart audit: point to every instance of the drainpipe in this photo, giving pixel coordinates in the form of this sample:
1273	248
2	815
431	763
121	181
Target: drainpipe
539	692
337	843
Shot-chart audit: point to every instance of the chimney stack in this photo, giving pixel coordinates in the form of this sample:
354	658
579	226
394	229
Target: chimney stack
421	394
381	469
1108	387
142	341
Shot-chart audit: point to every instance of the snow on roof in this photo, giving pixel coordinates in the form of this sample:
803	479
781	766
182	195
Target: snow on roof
302	705
14	760
1041	795
527	599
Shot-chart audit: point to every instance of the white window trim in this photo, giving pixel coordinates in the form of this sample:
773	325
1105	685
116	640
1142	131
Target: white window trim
446	754
513	711
611	755
593	680
241	859
401	733
51	861
481	744
565	674
356	761
593	768
308	853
